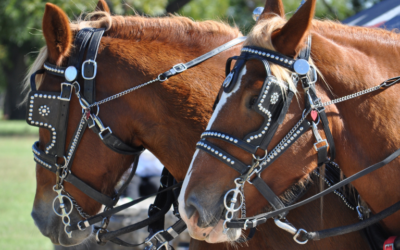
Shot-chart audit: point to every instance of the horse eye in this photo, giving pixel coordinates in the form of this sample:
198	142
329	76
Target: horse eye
253	100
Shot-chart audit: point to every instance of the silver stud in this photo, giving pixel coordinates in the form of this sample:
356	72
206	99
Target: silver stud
224	157
232	162
235	141
212	150
248	140
220	154
216	152
228	160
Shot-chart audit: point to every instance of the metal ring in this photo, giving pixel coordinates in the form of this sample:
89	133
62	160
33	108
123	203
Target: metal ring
77	87
84	104
241	201
160	79
97	234
318	119
298	234
98	110
257	158
70	211
225	227
64	164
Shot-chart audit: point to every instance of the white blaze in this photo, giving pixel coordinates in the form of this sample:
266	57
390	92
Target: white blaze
221	103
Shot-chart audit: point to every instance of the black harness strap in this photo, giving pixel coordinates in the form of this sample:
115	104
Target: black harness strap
179	68
89	66
261	218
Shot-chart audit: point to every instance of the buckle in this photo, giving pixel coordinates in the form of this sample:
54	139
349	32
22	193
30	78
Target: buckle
157	241
85	223
65	84
318	142
178	68
94	69
104	130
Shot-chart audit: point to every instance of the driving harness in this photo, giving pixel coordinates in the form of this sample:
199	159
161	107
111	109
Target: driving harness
273	106
49	110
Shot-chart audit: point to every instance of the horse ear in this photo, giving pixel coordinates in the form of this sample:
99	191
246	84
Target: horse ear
291	38
103	6
56	32
272	7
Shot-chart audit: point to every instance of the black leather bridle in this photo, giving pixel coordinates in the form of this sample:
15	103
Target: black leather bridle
273	107
50	110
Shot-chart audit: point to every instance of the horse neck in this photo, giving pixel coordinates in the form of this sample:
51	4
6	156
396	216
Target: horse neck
364	128
177	110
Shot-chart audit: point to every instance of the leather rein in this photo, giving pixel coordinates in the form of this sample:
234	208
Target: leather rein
50	110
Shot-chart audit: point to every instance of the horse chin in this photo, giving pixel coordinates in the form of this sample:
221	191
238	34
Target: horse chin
217	235
78	237
51	226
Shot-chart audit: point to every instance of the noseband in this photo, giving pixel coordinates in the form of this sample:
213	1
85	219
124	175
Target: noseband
50	110
273	106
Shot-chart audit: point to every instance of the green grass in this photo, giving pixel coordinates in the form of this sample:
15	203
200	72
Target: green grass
17	128
17	190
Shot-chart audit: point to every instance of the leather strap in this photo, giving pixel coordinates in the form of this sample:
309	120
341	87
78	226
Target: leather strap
261	218
269	195
230	139
114	143
99	217
184	66
89	66
230	160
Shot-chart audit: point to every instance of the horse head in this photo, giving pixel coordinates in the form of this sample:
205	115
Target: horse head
245	127
131	54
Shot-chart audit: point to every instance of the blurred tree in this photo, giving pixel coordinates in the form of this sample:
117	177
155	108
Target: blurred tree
21	38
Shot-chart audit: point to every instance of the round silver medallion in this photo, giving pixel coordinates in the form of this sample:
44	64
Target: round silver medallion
44	110
70	73
228	80
301	66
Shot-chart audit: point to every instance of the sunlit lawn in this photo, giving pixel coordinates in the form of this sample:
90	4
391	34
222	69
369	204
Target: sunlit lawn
17	189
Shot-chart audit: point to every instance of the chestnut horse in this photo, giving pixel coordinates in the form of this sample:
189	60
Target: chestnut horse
349	59
168	115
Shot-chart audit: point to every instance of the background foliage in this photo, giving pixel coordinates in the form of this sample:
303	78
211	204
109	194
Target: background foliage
20	24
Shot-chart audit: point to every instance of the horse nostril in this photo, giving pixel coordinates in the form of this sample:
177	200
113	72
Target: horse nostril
190	207
208	215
